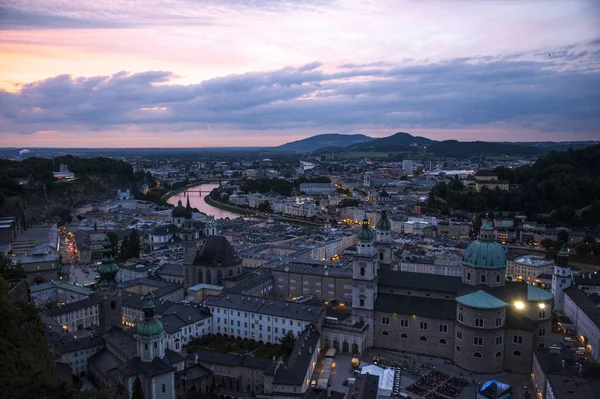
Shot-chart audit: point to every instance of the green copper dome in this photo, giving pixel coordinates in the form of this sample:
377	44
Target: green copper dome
485	253
366	234
384	223
150	327
108	269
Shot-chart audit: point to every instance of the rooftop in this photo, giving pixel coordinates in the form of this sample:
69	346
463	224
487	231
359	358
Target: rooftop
267	306
481	300
93	300
416	305
585	303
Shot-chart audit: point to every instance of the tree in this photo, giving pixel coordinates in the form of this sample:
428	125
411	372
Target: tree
124	254
287	342
137	392
114	243
582	248
589	239
548	243
563	235
134	244
264	207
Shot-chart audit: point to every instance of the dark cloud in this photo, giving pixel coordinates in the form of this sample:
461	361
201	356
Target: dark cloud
16	19
542	93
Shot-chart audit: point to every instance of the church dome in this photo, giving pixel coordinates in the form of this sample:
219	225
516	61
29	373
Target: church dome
150	327
366	234
384	223
485	253
180	211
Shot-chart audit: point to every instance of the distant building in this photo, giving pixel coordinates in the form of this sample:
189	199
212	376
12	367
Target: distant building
408	167
63	173
318	188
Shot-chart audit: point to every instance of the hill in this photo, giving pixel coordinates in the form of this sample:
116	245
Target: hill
560	188
323	140
416	145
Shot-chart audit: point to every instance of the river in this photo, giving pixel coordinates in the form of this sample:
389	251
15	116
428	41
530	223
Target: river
197	201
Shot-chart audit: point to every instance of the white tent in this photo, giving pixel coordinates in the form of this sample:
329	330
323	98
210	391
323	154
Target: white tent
386	378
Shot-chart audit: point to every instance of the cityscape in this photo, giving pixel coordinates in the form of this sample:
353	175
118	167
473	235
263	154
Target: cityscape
178	221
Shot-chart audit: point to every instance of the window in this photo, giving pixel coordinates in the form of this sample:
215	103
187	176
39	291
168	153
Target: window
457	348
477	355
498	354
478	322
423	325
362	271
461	317
542	314
385	321
423	338
468	278
518	339
443	328
113	305
458	335
497	278
498	321
516	353
361	302
404	323
482	278
478	341
403	335
499	340
542	332
385	333
163	388
442	341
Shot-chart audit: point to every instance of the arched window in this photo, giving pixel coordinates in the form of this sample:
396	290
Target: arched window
443	341
468	276
483	278
200	277
403	335
230	273
208	277
457	348
461	317
477	354
541	345
423	338
219	277
498	354
516	353
113	305
385	333
381	256
362	271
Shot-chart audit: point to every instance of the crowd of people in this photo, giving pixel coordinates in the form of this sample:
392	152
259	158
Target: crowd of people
438	385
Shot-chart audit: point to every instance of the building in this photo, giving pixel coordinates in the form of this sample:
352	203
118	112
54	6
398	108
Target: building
318	188
260	319
557	374
584	312
561	279
78	315
76	352
171	272
528	268
61	292
215	261
408	167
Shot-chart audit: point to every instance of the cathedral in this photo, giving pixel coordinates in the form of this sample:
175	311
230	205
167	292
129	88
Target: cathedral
480	321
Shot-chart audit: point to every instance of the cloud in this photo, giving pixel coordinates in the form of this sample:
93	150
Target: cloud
530	92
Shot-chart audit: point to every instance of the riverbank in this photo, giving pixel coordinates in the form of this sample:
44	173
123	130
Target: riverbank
227	207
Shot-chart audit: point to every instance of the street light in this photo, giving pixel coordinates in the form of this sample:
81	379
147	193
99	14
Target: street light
519	305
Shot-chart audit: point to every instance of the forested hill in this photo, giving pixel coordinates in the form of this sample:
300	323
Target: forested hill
565	185
28	189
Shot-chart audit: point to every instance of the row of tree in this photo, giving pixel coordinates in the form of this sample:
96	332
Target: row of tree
129	247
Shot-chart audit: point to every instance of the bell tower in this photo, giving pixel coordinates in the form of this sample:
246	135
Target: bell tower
364	278
384	240
108	290
561	279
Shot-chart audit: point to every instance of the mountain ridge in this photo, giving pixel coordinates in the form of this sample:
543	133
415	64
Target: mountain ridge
318	141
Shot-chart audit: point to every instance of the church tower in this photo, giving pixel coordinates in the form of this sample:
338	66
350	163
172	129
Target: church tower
108	290
190	236
364	278
384	240
150	335
561	279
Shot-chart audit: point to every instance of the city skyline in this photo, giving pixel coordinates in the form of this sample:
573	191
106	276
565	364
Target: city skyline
234	73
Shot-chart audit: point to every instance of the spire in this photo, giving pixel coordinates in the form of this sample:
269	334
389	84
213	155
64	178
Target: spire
108	269
187	205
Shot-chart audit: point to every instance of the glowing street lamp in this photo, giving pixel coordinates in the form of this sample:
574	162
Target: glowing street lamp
519	305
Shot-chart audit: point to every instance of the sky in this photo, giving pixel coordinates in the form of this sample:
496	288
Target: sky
218	73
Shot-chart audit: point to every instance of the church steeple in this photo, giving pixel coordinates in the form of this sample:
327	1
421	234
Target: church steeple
109	291
188	208
108	269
